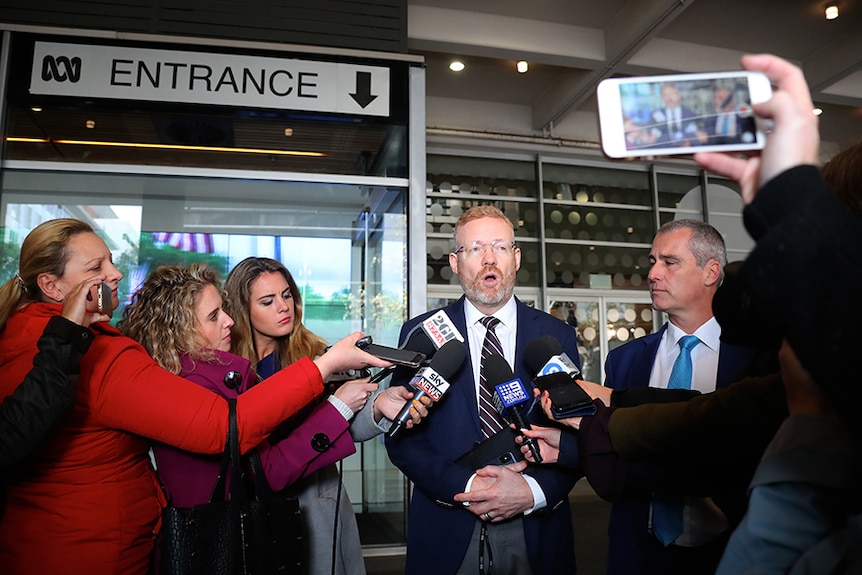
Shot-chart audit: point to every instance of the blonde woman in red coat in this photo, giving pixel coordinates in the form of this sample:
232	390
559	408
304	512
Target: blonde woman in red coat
88	501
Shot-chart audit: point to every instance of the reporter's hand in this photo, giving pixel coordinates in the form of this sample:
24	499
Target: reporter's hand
355	393
596	391
545	401
391	400
548	439
75	302
794	140
344	355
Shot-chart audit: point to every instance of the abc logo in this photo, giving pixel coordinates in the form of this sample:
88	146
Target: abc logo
551	368
61	68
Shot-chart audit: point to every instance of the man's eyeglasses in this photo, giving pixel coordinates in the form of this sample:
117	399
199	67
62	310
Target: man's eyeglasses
500	248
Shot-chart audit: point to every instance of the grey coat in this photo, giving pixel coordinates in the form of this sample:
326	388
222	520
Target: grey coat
317	495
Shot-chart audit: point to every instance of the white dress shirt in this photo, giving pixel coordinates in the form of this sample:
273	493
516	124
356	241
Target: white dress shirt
506	332
703	521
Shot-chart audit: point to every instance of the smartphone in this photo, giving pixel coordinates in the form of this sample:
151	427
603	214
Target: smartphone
568	399
682	113
104	299
404	357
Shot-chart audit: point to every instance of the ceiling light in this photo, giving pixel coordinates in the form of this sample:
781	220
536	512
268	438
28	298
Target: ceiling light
831	10
456	66
817	111
90	124
523	66
36	109
288	132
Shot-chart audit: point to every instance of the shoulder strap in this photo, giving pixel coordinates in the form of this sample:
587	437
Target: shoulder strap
218	493
237	488
262	490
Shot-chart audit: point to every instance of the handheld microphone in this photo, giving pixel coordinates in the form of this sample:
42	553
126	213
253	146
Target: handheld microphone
431	334
544	356
431	381
440	329
510	397
556	373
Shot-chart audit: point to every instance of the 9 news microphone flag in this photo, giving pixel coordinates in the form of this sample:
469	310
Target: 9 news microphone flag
511	396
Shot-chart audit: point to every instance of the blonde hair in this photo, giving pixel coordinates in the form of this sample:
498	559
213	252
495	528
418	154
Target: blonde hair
162	315
300	343
478	212
44	251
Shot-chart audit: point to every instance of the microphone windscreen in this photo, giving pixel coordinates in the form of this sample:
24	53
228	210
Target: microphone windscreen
496	370
449	358
539	351
420	342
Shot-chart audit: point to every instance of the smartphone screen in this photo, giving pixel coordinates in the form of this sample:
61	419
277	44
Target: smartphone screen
682	113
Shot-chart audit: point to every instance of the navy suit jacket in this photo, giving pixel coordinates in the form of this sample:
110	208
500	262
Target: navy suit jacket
630	366
439	529
688	120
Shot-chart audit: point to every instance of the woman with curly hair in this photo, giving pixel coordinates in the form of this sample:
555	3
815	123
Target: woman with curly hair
177	316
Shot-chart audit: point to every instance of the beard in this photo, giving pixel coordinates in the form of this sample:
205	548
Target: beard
476	292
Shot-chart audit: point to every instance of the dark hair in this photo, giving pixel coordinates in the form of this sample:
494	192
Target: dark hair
843	175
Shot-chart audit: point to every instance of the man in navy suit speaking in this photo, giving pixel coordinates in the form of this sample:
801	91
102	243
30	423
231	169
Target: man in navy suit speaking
496	519
658	534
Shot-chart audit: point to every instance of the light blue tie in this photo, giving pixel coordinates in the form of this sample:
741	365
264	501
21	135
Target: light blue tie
667	514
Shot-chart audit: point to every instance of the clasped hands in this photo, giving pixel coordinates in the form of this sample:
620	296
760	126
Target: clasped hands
498	492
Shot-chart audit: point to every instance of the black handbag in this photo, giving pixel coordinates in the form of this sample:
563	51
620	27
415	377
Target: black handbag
251	531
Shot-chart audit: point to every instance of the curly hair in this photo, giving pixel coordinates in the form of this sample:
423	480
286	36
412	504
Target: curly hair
300	343
162	316
44	251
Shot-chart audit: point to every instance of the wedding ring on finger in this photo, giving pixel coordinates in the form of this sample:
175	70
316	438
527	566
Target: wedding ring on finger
487	516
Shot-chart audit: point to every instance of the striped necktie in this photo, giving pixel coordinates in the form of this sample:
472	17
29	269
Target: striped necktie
488	415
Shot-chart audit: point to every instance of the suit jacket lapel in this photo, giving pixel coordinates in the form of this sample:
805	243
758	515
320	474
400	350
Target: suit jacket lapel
732	362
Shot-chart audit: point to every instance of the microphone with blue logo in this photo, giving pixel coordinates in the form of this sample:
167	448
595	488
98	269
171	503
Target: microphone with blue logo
544	356
512	399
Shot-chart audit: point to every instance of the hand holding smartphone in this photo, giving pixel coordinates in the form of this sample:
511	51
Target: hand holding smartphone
568	399
104	299
404	357
682	113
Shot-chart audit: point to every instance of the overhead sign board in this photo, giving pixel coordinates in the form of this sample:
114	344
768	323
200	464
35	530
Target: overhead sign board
203	78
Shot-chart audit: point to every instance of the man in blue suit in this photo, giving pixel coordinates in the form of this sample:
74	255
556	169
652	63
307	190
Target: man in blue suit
461	521
675	125
688	259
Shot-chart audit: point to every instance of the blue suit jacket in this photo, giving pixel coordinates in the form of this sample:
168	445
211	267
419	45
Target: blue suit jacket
439	529
630	366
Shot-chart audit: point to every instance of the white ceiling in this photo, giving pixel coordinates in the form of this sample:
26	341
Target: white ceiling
573	44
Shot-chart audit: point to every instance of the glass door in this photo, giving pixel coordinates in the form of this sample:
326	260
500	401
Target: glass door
343	242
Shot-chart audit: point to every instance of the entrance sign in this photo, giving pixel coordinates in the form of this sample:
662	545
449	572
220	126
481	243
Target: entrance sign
204	78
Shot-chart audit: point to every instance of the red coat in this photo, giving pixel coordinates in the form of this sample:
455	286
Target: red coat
88	501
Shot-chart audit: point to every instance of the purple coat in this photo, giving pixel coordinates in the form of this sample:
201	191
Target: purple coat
189	478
